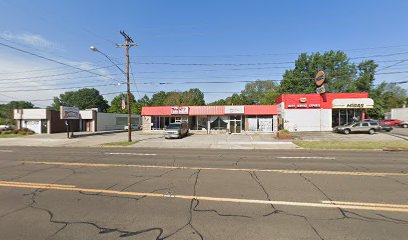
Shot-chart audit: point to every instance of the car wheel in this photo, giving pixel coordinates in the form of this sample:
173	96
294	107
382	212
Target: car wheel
346	131
405	125
371	131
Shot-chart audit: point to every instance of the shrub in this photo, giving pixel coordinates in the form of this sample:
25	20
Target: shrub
24	131
284	131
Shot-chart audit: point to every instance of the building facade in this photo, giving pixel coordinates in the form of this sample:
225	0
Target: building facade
321	112
213	119
49	121
294	112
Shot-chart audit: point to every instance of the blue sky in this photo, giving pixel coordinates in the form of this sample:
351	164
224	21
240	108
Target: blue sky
185	32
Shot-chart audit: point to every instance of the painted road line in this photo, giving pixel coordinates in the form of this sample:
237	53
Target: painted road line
137	154
329	158
378	207
39	184
8	151
369	174
366	204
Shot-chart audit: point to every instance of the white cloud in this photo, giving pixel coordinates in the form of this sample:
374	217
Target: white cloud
33	40
13	70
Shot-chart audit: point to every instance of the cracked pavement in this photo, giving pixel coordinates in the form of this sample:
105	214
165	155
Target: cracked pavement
171	208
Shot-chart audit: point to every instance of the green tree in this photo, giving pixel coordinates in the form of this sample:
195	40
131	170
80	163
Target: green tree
386	96
336	63
84	98
192	97
260	92
116	104
6	111
366	69
158	99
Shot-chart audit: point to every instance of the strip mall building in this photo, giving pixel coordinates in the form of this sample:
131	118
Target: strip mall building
294	112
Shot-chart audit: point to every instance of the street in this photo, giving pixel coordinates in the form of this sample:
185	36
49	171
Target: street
125	193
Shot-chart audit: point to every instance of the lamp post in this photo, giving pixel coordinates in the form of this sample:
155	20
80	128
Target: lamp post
94	49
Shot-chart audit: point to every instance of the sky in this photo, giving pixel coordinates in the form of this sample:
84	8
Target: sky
187	41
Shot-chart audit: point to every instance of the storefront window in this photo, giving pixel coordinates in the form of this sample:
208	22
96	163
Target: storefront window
346	116
219	123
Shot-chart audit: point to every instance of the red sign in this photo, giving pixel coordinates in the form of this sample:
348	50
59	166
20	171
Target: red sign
179	110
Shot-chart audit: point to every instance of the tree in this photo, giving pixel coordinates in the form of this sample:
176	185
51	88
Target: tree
336	63
84	98
366	69
386	96
6	111
192	97
260	92
116	104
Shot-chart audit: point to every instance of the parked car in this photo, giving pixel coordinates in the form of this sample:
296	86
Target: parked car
403	124
373	122
5	128
390	122
359	127
134	126
176	130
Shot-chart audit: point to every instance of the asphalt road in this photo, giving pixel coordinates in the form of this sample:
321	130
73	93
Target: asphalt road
122	193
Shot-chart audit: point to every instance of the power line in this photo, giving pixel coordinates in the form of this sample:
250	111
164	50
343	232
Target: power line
52	60
60	88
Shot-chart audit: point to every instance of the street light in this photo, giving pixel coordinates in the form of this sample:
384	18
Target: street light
94	49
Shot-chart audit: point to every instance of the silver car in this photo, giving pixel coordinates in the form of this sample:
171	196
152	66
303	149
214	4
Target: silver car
176	130
359	127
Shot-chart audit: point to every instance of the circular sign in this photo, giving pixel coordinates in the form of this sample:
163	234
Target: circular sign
320	78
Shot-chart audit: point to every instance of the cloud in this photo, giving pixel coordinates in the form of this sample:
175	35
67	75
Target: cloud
13	70
33	40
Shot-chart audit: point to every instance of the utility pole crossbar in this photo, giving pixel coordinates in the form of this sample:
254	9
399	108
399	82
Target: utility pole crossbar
128	43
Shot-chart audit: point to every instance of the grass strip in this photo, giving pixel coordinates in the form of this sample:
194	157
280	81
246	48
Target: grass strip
363	145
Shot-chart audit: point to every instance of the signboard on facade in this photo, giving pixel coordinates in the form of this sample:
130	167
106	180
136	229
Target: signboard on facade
234	110
69	112
353	103
179	110
322	89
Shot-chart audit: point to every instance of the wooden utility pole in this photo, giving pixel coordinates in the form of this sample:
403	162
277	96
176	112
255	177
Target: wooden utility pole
128	43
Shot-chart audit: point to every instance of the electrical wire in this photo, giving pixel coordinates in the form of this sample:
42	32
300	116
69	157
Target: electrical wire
52	60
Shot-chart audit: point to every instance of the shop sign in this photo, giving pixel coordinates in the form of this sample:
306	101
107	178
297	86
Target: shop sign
322	89
234	110
353	103
179	110
69	112
316	105
302	105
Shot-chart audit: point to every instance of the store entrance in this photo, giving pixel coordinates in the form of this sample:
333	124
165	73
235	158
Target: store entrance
235	124
346	116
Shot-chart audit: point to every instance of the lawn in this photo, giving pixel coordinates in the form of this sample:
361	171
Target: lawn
386	145
11	135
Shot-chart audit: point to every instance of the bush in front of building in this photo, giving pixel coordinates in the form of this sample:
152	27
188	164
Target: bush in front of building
284	135
22	131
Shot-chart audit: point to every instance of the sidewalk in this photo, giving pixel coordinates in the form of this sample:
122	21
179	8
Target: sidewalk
155	140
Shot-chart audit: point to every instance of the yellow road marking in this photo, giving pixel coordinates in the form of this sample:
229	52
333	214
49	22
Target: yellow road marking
367	204
38	184
370	174
358	206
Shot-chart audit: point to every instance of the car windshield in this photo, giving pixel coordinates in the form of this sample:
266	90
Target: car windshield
173	126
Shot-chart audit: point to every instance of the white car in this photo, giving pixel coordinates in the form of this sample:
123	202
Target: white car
403	124
5	128
134	126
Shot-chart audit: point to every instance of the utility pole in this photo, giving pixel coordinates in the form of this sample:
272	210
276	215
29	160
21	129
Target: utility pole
128	43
